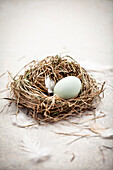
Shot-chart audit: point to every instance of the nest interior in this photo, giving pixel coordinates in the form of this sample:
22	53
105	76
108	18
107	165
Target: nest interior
29	91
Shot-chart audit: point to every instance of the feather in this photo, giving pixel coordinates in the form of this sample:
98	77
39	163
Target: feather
34	151
99	113
102	131
49	84
22	120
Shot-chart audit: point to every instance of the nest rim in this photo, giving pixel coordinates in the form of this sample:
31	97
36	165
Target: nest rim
28	90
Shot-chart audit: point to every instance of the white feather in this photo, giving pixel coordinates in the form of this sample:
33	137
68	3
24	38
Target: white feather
97	112
49	84
34	151
108	133
102	131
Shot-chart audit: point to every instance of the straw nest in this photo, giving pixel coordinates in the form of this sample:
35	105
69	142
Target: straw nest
29	91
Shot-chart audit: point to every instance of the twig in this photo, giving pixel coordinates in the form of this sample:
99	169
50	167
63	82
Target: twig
10	75
89	119
102	150
21	58
24	126
4	90
73	155
77	139
2	74
4	107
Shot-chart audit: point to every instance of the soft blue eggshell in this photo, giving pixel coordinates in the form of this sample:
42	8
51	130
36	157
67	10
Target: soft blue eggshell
68	87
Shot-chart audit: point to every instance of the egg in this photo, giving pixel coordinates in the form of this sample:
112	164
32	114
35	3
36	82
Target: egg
68	87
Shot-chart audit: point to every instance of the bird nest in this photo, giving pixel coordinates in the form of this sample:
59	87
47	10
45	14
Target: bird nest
29	91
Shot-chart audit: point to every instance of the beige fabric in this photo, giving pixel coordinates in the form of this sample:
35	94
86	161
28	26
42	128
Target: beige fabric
33	29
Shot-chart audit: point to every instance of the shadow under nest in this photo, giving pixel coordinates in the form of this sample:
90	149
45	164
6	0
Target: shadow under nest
29	90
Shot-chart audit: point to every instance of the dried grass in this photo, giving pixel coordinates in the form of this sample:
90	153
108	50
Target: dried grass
29	90
102	148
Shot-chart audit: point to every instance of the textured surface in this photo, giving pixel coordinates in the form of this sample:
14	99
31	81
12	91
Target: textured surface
34	29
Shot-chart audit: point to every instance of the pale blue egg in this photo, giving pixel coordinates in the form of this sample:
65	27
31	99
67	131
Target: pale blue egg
68	87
